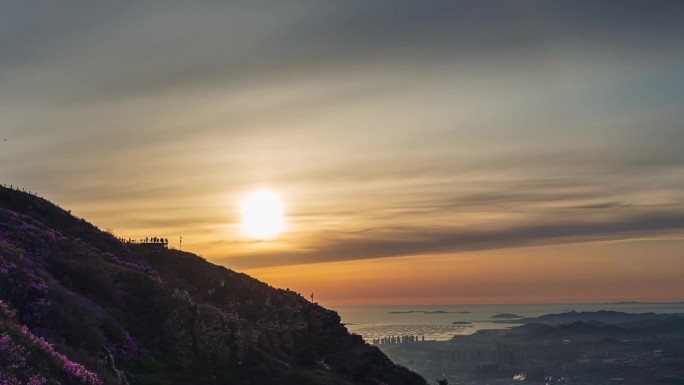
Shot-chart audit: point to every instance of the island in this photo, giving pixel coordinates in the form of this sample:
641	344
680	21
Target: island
427	312
506	316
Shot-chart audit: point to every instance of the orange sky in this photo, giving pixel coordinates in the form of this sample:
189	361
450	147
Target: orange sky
604	272
434	152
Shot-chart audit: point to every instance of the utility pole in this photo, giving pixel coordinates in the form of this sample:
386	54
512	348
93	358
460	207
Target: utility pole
180	244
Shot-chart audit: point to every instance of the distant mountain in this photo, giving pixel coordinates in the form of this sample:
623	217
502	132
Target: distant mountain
643	303
599	317
506	316
427	312
575	329
649	327
77	306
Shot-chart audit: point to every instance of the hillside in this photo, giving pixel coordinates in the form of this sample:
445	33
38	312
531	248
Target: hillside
602	316
80	307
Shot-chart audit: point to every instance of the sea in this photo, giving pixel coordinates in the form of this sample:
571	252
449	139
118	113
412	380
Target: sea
442	322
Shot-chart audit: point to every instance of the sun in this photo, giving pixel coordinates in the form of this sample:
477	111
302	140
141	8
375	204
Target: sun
262	215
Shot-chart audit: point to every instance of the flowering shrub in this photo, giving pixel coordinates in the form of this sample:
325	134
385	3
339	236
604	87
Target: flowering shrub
12	356
74	369
6	379
79	372
127	348
6	312
13	364
25	232
47	261
24	287
21	283
36	380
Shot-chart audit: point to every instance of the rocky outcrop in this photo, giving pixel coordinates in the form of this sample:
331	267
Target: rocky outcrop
112	371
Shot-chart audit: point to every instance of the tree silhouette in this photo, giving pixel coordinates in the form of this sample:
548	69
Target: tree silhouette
442	381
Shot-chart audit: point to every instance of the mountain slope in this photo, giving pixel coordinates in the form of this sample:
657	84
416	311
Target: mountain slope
149	315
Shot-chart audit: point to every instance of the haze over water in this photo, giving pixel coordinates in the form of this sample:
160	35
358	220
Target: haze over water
435	322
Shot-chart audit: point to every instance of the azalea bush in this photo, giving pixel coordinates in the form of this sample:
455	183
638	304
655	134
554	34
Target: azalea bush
14	368
14	357
69	310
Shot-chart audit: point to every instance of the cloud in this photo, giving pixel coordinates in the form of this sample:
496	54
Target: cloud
88	52
603	205
389	122
443	240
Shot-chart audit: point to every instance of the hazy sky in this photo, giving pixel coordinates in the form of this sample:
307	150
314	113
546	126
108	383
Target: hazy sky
426	151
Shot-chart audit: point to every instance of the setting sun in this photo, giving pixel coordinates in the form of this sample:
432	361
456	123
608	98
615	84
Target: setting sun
308	192
262	215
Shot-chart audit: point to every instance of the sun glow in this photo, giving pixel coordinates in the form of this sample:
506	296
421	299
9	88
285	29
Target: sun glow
262	215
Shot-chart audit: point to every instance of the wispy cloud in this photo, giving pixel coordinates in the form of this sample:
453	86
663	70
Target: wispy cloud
442	240
391	128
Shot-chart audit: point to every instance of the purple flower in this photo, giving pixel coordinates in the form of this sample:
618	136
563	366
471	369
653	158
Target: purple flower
6	311
79	372
36	380
8	379
74	369
11	355
39	287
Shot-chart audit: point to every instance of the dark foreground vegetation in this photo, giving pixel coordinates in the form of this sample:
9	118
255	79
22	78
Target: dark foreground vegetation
78	306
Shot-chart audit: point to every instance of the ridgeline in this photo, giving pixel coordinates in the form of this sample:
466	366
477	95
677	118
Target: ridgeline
79	306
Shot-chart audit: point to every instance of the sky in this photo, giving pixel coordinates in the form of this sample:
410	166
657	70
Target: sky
426	152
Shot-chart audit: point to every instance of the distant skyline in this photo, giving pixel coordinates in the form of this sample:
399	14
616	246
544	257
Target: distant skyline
426	152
